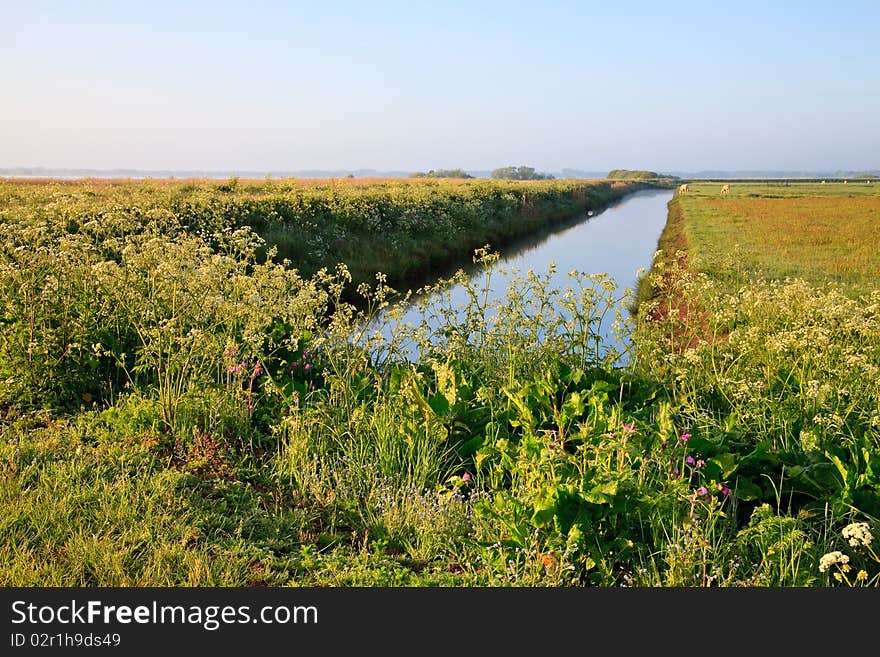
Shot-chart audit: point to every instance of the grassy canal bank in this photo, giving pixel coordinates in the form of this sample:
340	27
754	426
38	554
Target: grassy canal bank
406	229
762	315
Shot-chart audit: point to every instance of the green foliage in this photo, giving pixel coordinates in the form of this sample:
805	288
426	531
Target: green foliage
629	174
230	185
788	398
519	173
442	173
405	228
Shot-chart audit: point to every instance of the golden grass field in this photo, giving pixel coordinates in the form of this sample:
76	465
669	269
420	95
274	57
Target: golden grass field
811	231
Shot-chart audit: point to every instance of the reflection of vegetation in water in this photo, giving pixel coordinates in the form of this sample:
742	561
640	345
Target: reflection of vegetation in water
176	411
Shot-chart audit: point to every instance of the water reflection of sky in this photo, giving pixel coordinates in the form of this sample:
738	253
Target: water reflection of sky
618	241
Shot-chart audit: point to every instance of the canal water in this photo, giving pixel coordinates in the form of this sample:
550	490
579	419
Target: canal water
619	241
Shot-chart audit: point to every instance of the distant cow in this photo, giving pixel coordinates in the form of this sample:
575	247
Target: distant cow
823	182
844	182
725	189
683	188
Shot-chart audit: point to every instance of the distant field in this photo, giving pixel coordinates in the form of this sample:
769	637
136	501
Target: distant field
779	188
811	231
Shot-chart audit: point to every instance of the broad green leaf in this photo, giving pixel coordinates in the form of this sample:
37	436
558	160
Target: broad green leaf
745	490
601	494
726	462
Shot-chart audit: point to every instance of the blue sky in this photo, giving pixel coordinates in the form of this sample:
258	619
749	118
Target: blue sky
418	85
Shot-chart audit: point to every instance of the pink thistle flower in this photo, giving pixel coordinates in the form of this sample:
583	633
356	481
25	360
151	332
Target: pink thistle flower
702	490
685	437
307	367
466	476
630	427
690	460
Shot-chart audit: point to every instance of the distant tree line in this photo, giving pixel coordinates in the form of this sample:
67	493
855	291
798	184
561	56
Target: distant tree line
630	174
442	173
519	173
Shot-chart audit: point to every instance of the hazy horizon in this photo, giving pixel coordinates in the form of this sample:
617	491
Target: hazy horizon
567	172
416	86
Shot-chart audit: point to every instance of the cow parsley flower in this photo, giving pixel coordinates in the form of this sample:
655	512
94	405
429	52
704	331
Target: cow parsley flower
858	534
831	559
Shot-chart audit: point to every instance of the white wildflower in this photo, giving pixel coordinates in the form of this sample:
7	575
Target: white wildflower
831	559
858	534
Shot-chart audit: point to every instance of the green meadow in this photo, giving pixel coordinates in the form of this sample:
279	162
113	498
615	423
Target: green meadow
810	231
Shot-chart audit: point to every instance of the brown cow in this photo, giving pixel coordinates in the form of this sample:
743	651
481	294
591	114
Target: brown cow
683	188
725	189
